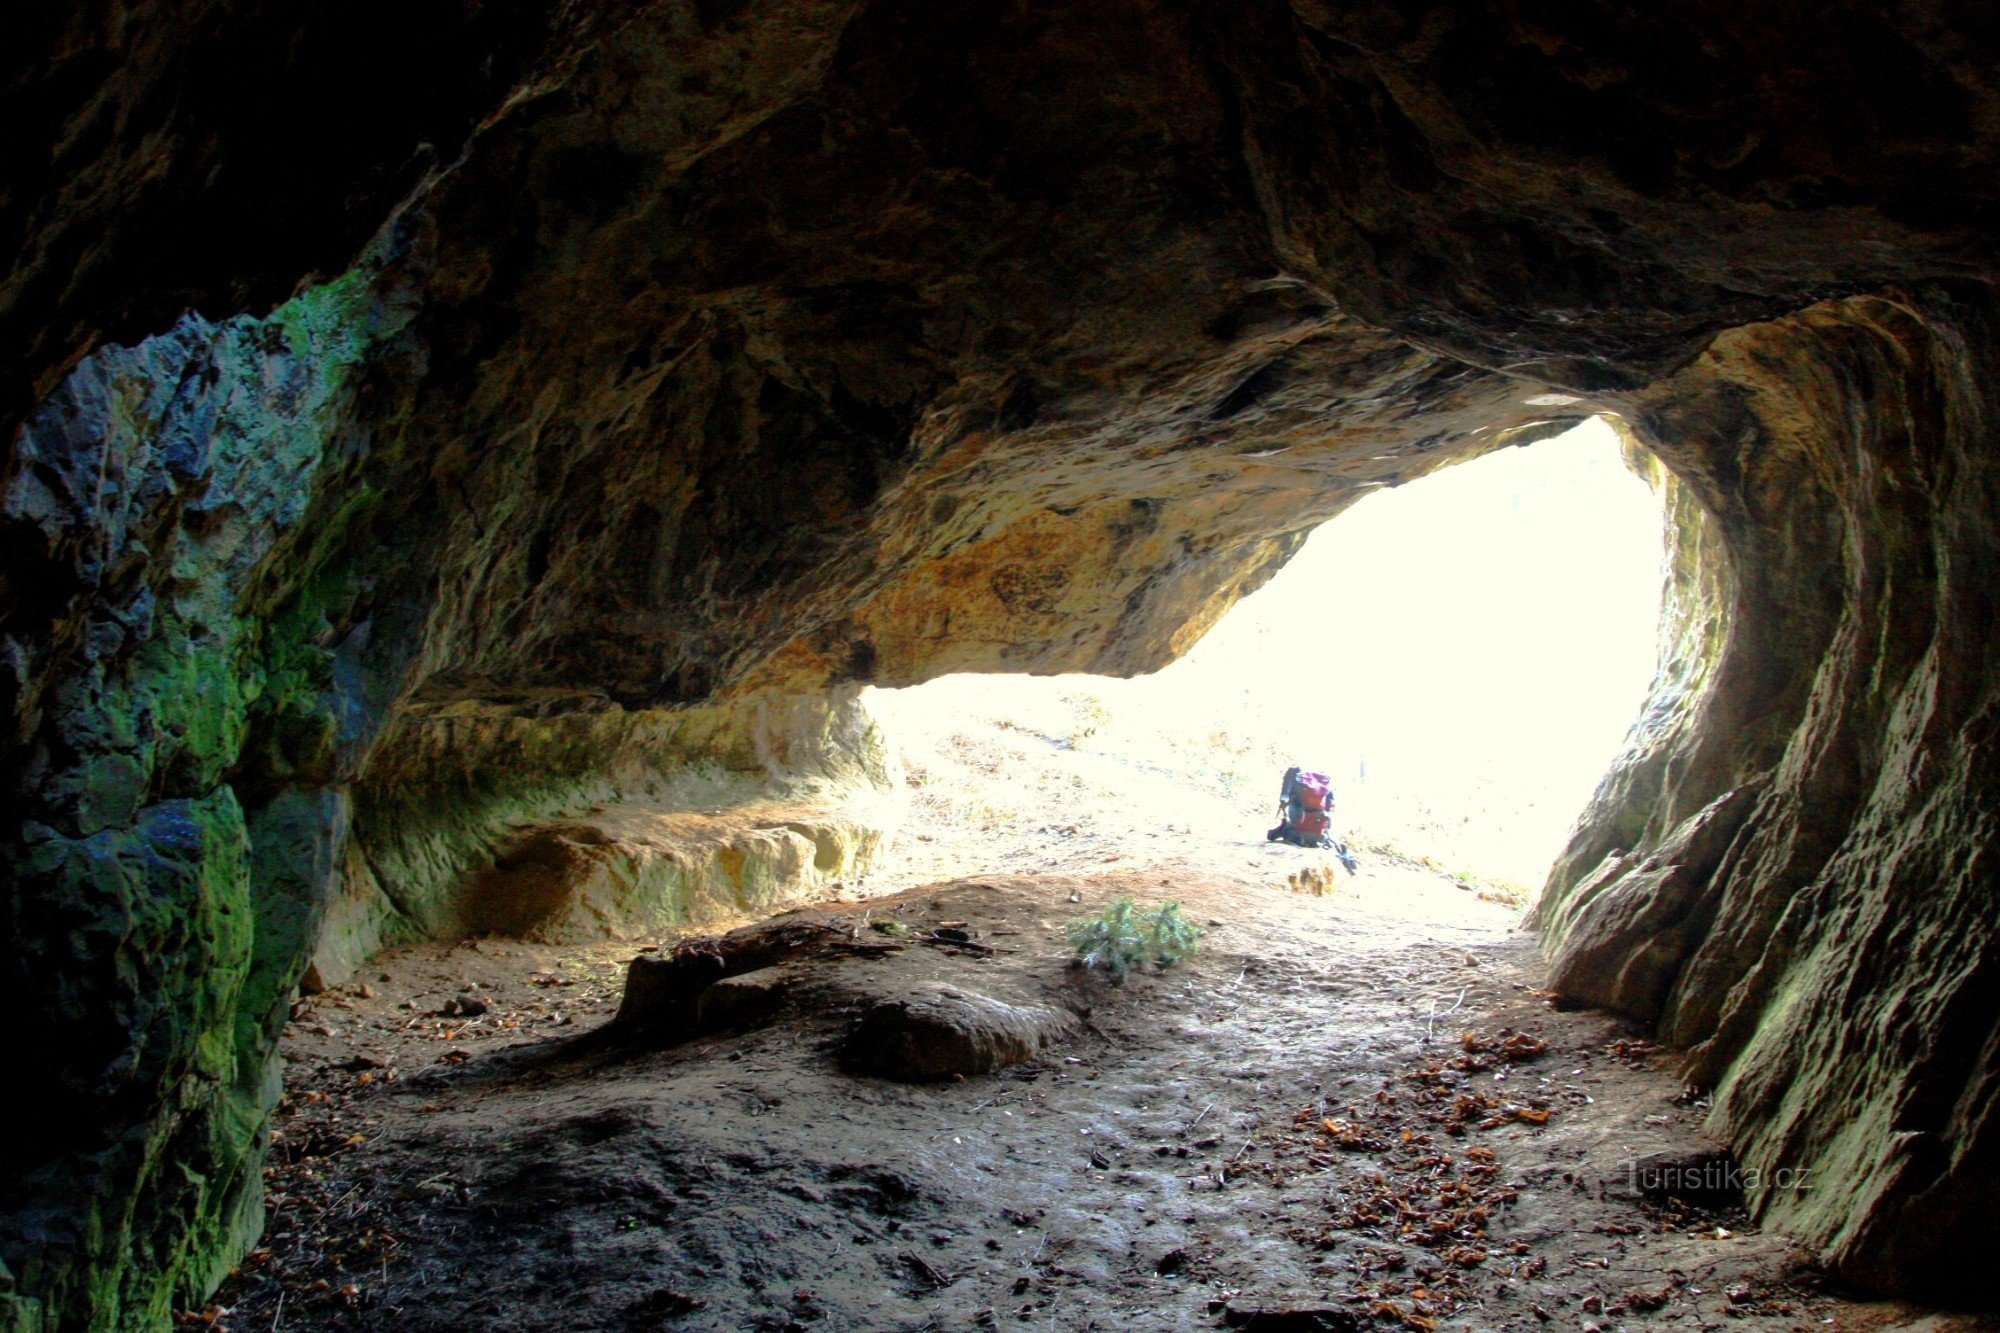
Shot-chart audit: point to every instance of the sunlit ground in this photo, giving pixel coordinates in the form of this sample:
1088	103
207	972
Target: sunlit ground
1463	655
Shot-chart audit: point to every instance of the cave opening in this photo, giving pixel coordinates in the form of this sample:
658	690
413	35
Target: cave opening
1539	568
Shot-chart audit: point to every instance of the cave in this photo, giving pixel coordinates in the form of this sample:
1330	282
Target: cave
1542	565
428	428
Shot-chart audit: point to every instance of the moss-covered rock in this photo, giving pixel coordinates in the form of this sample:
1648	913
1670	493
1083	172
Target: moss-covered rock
157	928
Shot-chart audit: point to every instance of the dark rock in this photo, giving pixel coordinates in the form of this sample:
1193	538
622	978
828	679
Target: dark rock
1299	1319
1709	1176
665	1303
939	1031
665	993
660	995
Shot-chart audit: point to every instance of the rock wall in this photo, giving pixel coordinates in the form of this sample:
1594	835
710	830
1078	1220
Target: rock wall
638	366
1790	870
157	913
607	824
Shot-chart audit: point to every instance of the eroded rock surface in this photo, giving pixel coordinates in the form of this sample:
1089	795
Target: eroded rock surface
942	1031
1790	870
643	371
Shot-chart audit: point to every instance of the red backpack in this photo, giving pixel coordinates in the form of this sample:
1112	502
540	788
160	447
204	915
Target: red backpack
1309	808
1312	791
1305	814
1305	804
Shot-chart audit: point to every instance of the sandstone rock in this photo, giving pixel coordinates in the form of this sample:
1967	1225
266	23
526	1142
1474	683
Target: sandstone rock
1619	937
742	999
664	993
939	1031
661	994
1812	757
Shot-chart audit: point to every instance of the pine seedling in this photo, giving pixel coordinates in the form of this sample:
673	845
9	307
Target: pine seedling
1170	936
1121	936
1109	942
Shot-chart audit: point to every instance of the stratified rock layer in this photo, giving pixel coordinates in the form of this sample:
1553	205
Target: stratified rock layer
691	363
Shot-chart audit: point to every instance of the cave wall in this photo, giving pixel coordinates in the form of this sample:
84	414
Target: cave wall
608	824
157	913
617	375
1790	871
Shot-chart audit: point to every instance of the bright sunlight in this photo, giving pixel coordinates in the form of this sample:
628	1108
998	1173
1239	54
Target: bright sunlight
1463	655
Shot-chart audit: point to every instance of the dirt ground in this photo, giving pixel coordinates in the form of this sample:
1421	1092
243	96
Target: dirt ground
1346	1111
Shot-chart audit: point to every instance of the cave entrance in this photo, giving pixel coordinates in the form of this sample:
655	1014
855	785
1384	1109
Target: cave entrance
1463	655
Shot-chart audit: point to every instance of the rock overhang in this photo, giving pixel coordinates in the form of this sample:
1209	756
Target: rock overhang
726	353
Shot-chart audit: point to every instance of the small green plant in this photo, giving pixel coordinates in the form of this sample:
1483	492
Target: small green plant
1109	942
1170	935
1120	936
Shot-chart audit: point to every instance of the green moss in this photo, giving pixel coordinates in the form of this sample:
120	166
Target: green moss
164	908
163	928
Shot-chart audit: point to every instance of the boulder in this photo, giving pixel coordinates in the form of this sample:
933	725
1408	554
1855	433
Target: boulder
939	1031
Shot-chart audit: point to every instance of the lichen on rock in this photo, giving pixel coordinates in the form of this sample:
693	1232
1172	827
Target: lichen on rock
154	942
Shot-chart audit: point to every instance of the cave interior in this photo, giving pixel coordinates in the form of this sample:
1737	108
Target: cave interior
428	423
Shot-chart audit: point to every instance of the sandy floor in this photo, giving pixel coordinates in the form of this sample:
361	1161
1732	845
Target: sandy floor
1289	1122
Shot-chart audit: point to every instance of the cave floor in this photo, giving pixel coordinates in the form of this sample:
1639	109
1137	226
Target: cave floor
1289	1121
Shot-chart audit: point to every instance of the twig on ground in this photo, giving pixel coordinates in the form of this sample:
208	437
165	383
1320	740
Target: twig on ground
934	1278
1430	1028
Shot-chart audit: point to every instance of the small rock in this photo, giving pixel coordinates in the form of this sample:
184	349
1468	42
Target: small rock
1316	1319
665	1303
1700	1175
938	1031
